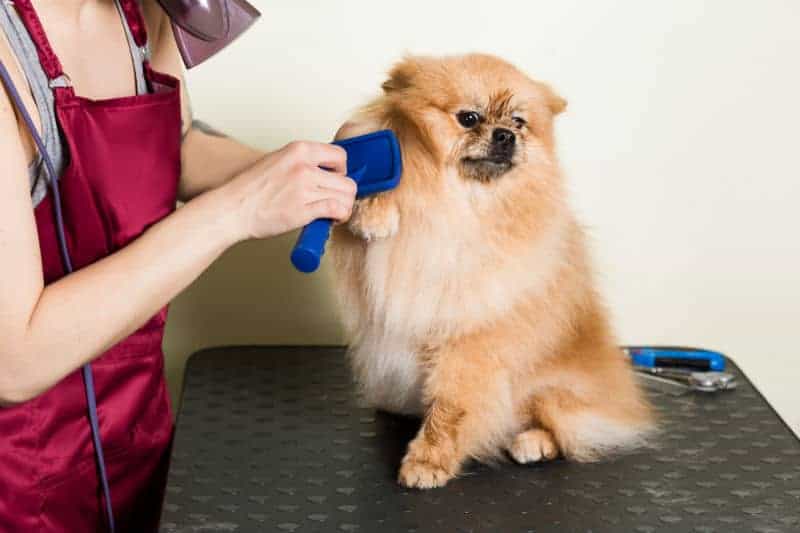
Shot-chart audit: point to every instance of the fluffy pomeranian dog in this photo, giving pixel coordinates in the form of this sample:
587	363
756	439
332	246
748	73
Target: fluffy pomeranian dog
467	292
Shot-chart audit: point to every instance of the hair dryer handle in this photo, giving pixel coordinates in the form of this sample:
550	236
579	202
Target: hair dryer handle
310	245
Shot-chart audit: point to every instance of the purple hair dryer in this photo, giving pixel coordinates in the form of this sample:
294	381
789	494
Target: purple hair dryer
204	27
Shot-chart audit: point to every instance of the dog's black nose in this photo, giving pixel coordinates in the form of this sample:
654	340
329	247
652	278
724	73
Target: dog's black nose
503	137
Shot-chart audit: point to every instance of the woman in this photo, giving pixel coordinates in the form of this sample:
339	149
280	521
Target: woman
116	132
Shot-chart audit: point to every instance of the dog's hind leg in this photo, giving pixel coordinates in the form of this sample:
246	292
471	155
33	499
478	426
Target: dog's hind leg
533	445
584	430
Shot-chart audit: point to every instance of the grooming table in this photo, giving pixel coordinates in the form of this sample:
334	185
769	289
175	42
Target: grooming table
272	439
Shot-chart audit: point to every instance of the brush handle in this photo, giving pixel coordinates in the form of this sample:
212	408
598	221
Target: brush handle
310	246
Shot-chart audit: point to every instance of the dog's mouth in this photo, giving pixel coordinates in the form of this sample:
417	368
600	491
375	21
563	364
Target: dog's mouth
485	168
488	161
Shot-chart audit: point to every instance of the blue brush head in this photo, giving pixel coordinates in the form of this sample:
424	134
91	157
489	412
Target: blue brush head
374	163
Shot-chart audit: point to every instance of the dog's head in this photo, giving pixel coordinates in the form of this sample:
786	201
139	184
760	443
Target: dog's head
476	114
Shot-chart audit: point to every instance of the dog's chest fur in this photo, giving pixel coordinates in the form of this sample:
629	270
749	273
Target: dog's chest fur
388	372
441	275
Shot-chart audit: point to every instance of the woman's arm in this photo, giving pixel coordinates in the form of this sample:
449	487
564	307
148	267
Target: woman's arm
47	332
209	158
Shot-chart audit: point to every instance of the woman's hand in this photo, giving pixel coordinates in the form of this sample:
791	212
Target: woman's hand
287	189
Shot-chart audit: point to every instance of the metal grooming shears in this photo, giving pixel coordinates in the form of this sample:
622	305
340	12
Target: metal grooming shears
691	380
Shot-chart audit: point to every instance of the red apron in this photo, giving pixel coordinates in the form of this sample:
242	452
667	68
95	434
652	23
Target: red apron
121	177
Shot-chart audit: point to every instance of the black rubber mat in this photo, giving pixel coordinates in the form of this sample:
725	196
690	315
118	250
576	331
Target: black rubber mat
271	439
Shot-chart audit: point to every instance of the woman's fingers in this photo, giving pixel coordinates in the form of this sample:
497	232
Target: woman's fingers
329	193
320	185
328	156
335	182
330	207
341	199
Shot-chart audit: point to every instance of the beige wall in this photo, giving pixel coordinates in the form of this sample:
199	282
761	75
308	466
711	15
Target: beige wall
681	143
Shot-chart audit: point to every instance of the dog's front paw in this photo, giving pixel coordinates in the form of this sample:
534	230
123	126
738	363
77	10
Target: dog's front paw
422	475
533	446
371	220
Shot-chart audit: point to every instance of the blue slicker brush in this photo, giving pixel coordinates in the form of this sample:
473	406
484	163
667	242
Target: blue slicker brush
373	162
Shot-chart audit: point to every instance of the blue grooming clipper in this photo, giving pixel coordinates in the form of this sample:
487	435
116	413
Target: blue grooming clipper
374	163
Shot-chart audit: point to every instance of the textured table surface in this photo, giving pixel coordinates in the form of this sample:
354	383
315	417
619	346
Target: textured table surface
272	439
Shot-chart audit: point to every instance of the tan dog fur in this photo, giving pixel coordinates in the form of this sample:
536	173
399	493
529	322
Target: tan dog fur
471	301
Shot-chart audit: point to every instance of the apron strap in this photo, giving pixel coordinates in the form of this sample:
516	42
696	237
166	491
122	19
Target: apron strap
133	15
50	63
48	58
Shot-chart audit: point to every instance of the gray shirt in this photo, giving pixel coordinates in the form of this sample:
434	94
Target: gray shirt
39	85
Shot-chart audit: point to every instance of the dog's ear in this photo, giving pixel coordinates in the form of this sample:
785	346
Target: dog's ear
556	103
401	76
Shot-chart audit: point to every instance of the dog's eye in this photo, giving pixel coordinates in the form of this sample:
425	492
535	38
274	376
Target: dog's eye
468	119
519	121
